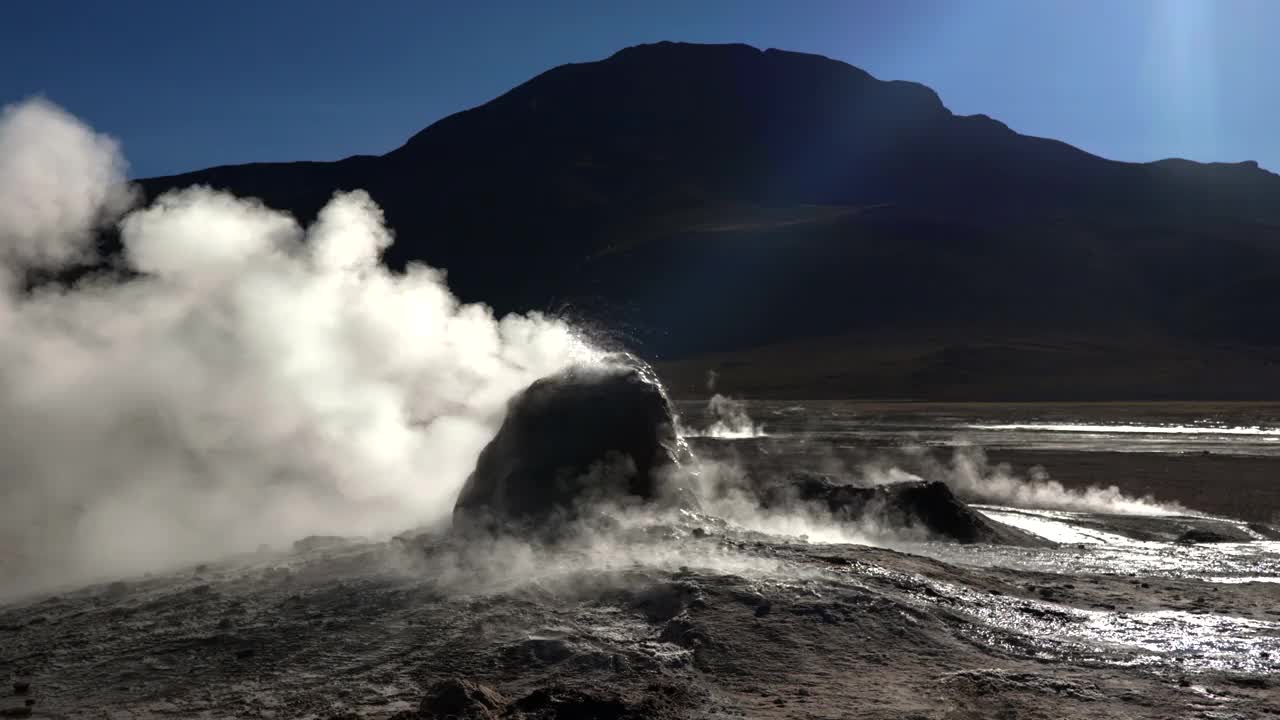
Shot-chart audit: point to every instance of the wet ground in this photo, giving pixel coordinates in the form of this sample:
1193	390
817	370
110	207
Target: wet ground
1164	428
700	616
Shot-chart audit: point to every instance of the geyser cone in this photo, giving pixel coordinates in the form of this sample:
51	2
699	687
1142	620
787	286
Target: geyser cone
586	436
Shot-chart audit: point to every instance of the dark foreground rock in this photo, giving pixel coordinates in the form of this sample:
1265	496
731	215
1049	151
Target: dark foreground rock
589	434
1196	536
1269	532
927	506
312	543
462	699
555	702
459	699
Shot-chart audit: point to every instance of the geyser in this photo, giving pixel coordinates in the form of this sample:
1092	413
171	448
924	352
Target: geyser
245	379
603	433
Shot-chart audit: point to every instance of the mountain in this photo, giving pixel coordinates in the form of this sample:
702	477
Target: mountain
712	198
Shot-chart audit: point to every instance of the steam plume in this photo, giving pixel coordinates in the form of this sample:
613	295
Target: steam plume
253	382
58	181
973	478
728	420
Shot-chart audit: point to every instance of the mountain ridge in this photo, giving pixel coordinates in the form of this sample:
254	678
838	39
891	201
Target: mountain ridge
709	198
641	48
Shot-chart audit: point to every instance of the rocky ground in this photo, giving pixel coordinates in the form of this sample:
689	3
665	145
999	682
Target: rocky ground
678	621
681	613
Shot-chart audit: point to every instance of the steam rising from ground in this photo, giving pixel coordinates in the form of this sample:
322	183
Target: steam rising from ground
252	381
968	474
728	420
973	478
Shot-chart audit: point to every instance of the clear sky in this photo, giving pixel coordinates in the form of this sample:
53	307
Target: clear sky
186	85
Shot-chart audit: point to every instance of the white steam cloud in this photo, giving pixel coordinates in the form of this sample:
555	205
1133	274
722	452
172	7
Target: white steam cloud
973	478
728	421
58	181
251	382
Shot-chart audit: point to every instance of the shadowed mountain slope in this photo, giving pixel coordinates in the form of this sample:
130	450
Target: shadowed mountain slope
700	198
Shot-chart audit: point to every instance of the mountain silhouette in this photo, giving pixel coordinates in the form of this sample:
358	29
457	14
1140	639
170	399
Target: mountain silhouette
711	198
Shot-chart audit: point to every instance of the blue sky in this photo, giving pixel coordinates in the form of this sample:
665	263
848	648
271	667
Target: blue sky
187	85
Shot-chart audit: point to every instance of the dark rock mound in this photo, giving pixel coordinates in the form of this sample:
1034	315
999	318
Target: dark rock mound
458	699
311	543
462	699
1183	529
1195	536
562	702
1269	532
924	505
659	701
586	435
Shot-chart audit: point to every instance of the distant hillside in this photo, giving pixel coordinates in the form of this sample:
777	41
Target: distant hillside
940	367
700	198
